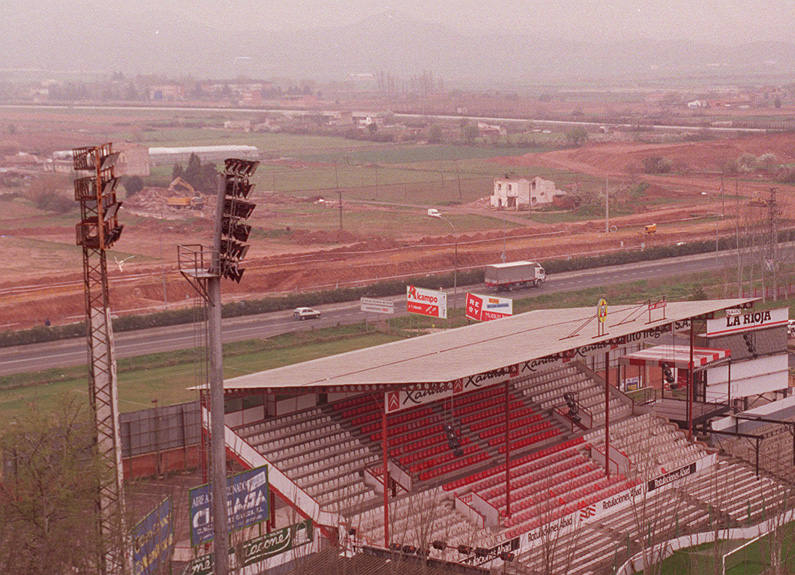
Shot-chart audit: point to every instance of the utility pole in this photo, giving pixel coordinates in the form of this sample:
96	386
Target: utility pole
772	243
458	175
607	205
722	197
339	192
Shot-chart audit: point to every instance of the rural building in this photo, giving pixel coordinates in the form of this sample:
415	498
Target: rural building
180	155
242	125
523	194
166	93
133	160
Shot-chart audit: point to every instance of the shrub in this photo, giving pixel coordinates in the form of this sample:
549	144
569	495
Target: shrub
657	165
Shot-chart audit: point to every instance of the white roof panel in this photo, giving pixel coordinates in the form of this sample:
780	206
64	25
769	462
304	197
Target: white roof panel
464	351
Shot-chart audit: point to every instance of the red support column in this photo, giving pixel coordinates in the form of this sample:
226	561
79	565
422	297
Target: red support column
273	511
507	454
607	413
385	447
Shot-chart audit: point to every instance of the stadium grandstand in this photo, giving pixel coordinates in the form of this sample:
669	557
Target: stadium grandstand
510	444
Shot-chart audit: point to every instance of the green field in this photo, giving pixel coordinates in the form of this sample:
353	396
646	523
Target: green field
166	376
751	560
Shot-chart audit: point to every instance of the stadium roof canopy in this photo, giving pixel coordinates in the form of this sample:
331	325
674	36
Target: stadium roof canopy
462	352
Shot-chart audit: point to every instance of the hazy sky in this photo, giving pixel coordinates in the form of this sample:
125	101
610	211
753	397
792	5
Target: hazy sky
715	21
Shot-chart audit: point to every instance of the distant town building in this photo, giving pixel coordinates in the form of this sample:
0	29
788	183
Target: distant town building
697	104
523	194
494	130
166	93
242	125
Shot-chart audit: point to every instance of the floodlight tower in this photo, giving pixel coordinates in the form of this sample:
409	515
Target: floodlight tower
204	269
97	231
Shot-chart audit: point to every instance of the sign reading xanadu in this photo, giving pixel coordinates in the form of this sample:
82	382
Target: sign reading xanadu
247	503
406	398
428	302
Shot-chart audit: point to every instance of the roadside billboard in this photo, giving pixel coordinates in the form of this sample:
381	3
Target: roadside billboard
432	303
247	504
485	307
153	540
377	305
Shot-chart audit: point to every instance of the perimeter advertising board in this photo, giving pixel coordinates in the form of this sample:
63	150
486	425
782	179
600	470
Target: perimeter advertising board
596	511
485	308
153	540
247	504
432	303
411	397
257	549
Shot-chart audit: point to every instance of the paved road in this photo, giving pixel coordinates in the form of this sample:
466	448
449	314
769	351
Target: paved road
129	344
431	117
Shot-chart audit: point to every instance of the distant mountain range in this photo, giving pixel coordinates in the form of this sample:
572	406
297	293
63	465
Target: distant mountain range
58	39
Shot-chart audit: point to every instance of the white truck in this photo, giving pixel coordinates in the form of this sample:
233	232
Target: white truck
515	275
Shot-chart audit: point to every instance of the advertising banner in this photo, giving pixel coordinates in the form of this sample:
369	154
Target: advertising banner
247	504
752	320
432	303
153	540
411	397
485	308
377	305
257	549
275	542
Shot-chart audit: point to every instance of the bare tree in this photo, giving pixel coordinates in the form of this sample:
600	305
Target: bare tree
48	494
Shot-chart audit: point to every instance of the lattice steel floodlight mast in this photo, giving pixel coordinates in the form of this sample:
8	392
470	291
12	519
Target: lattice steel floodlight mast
97	231
204	269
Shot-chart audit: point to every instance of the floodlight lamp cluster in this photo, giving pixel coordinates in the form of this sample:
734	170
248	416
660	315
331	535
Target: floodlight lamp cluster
236	210
98	227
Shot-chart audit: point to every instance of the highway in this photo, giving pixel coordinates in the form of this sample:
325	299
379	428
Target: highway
73	352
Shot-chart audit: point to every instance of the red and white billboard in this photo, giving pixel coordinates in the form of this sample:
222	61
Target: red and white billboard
485	307
428	302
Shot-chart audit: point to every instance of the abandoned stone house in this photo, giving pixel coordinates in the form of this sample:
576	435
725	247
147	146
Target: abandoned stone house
523	194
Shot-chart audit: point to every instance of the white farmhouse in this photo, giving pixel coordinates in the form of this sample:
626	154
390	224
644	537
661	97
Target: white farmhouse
523	194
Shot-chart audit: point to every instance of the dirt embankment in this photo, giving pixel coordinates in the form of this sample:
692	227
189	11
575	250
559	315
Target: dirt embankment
324	259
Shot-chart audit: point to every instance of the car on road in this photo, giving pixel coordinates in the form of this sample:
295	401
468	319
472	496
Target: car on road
306	313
